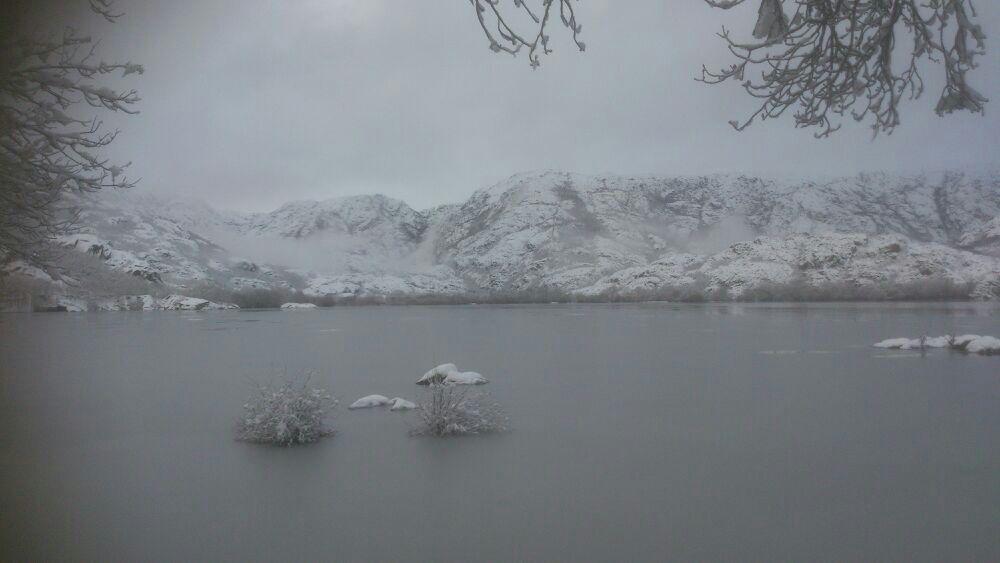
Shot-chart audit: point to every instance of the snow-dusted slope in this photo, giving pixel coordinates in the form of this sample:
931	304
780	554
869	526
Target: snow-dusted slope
369	235
573	233
365	220
355	245
812	260
168	241
984	239
439	281
568	231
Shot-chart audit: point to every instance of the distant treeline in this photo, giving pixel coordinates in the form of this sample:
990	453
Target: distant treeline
15	290
798	291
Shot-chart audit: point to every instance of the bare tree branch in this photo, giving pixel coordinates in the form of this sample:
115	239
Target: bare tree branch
504	38
45	149
106	9
838	57
830	58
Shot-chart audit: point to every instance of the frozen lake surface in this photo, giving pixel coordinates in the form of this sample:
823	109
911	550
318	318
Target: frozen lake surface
640	432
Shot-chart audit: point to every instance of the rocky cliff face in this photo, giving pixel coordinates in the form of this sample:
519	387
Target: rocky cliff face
573	233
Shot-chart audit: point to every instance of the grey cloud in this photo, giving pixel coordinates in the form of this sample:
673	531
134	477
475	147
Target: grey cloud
249	103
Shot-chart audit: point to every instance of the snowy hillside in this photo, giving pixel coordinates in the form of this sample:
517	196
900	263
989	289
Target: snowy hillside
569	231
593	235
812	260
374	215
984	239
166	241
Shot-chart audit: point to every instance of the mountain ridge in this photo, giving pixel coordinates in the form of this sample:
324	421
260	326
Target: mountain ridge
721	234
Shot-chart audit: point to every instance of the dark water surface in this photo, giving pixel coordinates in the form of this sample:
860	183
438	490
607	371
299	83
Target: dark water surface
640	432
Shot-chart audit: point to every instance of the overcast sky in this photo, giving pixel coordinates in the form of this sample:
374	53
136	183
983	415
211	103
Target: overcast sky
251	103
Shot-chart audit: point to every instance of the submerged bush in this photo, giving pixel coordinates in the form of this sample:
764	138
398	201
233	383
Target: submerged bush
286	413
457	410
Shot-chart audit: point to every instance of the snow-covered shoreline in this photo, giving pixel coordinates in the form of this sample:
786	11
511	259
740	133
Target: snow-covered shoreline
172	302
971	343
148	303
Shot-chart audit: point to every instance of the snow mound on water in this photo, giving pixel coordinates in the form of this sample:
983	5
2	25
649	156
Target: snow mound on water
915	343
449	374
295	306
465	378
370	401
964	340
401	404
437	374
983	345
973	343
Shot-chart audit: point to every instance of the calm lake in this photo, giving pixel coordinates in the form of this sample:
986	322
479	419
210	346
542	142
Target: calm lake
639	433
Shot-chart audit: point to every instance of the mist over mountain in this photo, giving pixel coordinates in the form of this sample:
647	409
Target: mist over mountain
585	235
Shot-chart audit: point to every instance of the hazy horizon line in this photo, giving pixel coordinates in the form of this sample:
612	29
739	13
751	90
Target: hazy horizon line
819	177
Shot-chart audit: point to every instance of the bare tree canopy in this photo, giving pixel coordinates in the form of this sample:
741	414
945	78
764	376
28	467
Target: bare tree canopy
816	59
46	150
504	38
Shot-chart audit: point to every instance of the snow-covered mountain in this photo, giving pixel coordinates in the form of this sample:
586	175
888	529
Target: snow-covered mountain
831	261
166	241
377	217
572	233
569	231
984	239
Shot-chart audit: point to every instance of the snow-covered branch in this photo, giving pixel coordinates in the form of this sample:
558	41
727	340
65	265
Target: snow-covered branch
47	148
847	57
817	59
503	37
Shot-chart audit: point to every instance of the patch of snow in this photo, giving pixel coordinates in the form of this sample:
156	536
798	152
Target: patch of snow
972	343
450	375
899	343
938	342
916	343
439	281
984	345
183	303
370	401
298	306
437	374
242	284
401	404
465	378
963	340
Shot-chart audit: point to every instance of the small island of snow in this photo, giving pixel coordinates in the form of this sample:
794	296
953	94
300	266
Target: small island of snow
401	404
982	345
972	343
450	375
298	306
915	343
370	401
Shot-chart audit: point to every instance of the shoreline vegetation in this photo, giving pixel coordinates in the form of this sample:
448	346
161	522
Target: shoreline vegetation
25	294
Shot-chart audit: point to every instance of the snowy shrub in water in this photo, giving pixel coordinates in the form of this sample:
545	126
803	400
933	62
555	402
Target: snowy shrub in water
452	410
450	375
286	413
